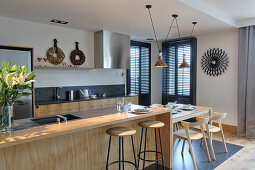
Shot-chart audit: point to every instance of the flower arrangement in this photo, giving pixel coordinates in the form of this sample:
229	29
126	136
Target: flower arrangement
15	82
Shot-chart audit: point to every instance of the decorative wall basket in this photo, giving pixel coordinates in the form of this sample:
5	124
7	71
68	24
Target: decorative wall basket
79	53
214	62
55	50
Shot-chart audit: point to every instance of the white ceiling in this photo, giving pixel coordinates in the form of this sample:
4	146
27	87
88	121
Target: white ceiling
238	13
131	16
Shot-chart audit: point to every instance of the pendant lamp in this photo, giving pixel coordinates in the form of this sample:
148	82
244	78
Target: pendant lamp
160	62
184	63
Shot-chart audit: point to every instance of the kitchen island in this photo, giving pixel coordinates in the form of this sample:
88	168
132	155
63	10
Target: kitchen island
79	144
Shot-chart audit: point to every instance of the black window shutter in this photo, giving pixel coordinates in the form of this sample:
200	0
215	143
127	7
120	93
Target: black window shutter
179	84
139	74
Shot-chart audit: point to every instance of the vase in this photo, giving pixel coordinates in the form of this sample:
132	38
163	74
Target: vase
6	119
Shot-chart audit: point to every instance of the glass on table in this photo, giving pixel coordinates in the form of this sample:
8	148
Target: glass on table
120	104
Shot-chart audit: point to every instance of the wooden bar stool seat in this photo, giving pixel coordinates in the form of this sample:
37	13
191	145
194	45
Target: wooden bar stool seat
151	125
120	132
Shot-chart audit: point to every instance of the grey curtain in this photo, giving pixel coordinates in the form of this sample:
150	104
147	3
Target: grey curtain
246	82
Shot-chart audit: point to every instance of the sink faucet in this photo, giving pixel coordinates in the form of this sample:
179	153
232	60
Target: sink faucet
63	117
57	96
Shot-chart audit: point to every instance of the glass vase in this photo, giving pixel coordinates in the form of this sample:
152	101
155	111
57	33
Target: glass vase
6	119
120	104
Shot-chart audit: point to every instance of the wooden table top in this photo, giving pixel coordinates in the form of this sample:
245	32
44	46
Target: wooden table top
190	114
46	131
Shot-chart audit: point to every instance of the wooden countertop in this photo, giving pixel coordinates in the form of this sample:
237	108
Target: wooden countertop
46	131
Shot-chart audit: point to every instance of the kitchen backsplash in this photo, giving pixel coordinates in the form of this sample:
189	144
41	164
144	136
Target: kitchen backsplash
48	93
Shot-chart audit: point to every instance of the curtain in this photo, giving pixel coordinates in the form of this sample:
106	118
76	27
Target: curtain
246	82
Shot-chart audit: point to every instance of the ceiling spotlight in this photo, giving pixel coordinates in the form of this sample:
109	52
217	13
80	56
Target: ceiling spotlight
59	21
150	39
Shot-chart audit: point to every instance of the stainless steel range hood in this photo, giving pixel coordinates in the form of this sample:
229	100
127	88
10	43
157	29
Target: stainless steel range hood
111	50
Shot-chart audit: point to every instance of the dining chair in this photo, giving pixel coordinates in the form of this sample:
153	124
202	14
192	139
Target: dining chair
213	129
190	135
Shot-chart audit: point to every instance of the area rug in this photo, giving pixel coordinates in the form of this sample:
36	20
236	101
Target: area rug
184	162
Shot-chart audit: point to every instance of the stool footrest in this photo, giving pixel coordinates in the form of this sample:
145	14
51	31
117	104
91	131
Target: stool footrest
129	162
150	160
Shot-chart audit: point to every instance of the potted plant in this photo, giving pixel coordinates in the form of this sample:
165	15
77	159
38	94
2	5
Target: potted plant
15	82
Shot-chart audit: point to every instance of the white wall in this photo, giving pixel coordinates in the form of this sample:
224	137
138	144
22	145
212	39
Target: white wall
156	76
40	37
219	92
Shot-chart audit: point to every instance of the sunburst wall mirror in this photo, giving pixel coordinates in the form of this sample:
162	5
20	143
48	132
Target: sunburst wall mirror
215	62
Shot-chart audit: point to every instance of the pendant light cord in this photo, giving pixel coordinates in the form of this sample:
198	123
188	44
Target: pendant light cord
169	29
178	28
194	24
154	30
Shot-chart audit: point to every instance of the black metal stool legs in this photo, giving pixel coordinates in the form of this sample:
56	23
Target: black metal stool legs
156	147
145	142
151	151
161	149
108	153
121	154
134	152
141	141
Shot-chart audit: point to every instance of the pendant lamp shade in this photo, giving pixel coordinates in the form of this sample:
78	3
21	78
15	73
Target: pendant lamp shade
160	62
184	63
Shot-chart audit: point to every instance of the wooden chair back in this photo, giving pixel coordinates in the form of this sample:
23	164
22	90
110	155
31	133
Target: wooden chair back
218	116
201	122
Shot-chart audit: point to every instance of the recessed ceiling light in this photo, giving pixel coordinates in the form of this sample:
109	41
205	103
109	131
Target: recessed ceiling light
59	21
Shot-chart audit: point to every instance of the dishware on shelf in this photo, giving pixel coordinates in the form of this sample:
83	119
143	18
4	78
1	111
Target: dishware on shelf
93	96
39	61
120	104
64	64
45	60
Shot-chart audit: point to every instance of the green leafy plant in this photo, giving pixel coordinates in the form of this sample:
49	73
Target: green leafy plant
15	82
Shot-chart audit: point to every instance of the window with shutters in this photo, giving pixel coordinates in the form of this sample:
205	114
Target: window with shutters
179	84
139	74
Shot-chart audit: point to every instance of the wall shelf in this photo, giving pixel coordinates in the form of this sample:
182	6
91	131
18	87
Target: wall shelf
62	68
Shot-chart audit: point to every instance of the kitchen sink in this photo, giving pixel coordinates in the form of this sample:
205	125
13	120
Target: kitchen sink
53	119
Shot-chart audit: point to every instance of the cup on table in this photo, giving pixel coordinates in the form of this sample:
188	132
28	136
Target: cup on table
187	106
172	105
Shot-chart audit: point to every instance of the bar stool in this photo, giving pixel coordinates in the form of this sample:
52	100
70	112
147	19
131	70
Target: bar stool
121	132
154	125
